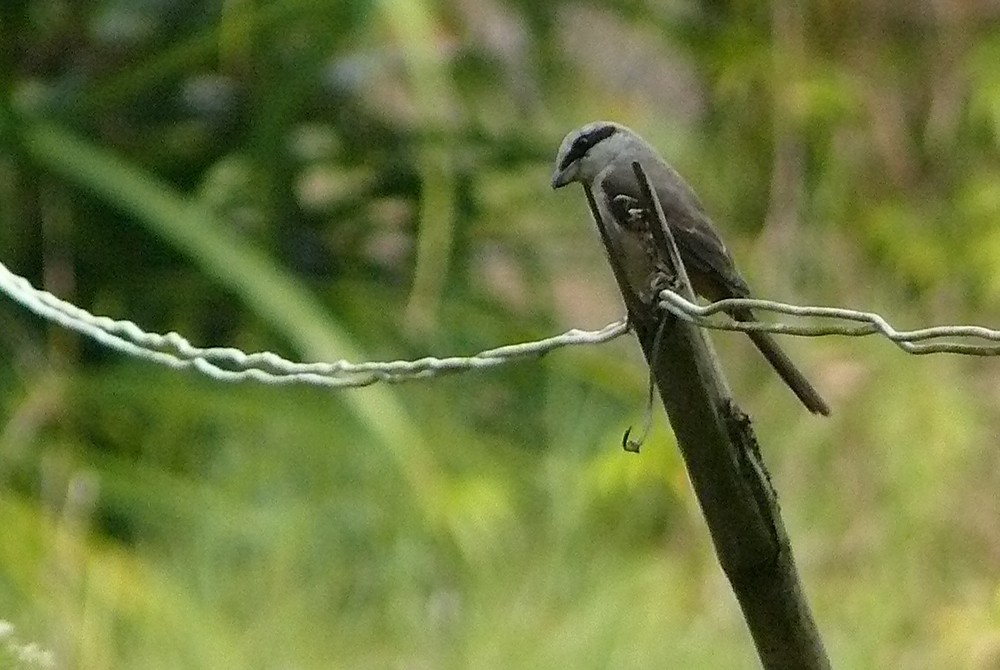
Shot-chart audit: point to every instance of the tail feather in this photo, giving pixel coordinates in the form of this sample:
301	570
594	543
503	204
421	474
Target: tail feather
783	365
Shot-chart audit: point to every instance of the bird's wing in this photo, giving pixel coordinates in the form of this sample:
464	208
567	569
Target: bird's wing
700	246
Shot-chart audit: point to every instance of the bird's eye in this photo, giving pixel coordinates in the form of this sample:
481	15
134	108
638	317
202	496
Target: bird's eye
584	143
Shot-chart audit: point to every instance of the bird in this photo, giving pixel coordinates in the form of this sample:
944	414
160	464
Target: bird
599	155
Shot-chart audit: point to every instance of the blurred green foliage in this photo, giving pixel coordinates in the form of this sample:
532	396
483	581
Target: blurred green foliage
369	180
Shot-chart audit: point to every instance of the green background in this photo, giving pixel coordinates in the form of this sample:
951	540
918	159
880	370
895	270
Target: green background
369	180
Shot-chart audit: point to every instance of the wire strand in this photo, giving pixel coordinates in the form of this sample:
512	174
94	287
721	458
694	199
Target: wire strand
232	365
869	324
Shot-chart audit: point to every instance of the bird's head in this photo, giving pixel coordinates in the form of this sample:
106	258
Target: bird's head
589	149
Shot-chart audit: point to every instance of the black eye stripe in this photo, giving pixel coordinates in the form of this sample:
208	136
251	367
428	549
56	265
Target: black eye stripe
584	143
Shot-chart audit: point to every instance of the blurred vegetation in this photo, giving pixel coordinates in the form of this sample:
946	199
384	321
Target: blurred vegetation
369	179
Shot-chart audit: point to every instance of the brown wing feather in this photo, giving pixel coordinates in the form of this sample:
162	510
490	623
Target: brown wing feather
710	267
705	255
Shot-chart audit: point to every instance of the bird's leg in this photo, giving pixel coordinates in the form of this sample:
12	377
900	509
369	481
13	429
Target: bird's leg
665	280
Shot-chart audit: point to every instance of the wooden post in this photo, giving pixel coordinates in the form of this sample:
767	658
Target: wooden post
723	461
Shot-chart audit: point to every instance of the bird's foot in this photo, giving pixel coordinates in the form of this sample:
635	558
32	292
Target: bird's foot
664	280
631	214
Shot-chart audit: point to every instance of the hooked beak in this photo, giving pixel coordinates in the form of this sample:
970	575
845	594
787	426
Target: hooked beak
562	177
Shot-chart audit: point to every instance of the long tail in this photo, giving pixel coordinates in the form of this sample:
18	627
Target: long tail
783	365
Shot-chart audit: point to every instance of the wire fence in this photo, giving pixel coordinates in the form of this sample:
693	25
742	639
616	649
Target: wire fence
232	365
862	324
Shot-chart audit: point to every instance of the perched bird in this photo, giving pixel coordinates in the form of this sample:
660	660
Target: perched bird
599	155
